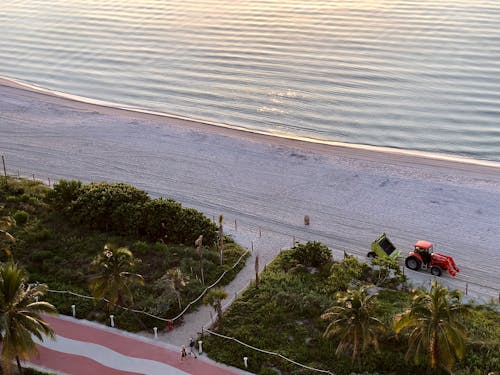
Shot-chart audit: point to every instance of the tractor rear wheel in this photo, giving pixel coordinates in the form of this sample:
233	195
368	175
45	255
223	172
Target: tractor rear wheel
371	255
436	270
413	263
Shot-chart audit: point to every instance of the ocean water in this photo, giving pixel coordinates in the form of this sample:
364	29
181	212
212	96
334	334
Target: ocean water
418	75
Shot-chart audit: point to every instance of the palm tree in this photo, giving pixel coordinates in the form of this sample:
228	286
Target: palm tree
20	314
353	321
214	298
6	222
113	278
177	281
433	323
199	249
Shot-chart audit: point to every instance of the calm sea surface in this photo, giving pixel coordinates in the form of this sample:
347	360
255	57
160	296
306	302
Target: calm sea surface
419	75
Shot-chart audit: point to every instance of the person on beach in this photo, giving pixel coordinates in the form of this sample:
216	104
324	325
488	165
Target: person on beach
183	353
191	348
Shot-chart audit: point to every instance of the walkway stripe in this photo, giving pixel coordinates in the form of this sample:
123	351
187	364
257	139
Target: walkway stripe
83	348
110	358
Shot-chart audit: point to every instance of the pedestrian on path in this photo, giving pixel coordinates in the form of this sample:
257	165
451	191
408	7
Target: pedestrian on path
191	348
183	353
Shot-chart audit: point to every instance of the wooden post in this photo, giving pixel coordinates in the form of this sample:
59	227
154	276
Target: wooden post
49	181
260	232
466	288
33	177
235	226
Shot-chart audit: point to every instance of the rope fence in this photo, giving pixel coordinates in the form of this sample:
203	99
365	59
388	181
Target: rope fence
188	306
266	352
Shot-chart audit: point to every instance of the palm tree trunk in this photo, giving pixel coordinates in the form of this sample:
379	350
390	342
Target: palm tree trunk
179	300
19	365
355	350
434	349
219	313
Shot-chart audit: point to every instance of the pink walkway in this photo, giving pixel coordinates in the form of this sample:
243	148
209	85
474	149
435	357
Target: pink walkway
84	348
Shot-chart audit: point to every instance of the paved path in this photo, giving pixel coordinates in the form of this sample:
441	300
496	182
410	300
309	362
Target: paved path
82	347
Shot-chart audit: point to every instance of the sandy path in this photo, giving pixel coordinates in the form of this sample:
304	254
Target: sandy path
350	194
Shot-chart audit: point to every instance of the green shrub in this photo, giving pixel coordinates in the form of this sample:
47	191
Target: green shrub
100	206
21	217
12	199
41	234
159	220
386	272
312	254
140	248
166	220
161	248
287	260
64	193
348	271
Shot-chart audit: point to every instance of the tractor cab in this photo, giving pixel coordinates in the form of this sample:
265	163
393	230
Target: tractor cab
425	250
424	246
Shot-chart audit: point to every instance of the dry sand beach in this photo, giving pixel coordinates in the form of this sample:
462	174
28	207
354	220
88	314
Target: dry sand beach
264	185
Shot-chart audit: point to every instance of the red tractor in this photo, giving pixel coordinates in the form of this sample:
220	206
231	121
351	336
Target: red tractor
423	256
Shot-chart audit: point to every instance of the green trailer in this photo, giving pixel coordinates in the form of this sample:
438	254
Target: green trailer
383	247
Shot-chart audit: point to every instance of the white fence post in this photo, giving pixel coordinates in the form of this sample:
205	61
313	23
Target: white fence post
200	347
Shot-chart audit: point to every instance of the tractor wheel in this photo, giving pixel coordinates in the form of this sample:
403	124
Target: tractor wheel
436	270
413	263
371	255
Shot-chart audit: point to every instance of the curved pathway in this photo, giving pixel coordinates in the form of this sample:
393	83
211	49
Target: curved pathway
82	347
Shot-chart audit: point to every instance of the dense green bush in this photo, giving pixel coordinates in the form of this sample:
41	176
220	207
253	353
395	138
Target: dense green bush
64	193
312	254
166	220
159	220
125	210
21	217
108	206
140	247
349	271
161	248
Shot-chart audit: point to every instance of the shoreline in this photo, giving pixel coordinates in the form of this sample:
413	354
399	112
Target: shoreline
356	150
